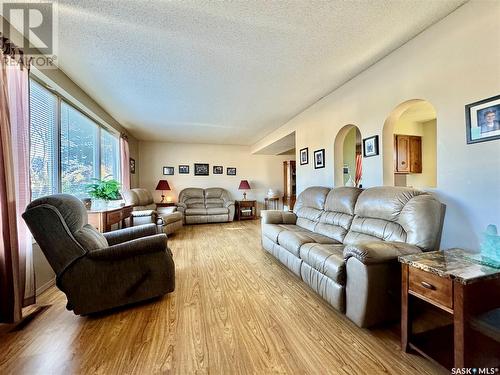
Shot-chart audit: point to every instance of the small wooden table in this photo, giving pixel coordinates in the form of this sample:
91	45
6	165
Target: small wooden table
465	292
274	202
166	204
102	220
246	210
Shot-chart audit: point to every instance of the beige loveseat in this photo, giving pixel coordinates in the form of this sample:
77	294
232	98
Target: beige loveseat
145	211
212	205
344	243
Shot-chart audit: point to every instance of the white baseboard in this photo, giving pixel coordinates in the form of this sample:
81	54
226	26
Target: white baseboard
44	287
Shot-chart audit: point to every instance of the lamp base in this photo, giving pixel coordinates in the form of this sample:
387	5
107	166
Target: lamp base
244	196
162	198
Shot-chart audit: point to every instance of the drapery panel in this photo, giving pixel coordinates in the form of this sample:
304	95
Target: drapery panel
17	287
125	162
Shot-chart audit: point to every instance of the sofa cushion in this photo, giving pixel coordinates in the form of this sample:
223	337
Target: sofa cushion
214	203
292	241
195	211
326	259
309	206
217	211
272	231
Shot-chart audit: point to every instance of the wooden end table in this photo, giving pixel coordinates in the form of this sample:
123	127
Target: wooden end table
246	210
468	292
271	202
166	204
102	220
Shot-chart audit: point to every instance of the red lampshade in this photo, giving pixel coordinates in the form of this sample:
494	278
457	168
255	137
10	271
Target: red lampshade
162	185
244	185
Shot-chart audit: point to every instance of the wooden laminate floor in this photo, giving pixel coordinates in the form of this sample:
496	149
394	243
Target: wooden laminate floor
235	310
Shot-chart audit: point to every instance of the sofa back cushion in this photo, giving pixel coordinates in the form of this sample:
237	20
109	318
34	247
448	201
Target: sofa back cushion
309	206
214	197
396	214
338	212
192	197
138	197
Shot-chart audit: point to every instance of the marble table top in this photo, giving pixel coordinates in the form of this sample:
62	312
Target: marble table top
451	264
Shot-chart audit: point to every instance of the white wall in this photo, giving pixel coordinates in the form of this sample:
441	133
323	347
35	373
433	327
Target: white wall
262	171
451	64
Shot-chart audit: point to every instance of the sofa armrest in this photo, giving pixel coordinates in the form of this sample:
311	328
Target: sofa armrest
144	213
136	247
228	203
277	217
181	207
128	234
375	252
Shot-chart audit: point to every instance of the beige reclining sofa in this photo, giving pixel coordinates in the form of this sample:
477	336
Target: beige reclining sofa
212	205
344	243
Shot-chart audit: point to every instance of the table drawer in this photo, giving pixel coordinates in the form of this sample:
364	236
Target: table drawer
113	217
430	286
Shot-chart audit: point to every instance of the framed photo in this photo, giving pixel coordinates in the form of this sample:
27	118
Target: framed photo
132	165
319	159
183	169
218	169
231	171
201	169
168	171
304	156
370	146
482	120
345	169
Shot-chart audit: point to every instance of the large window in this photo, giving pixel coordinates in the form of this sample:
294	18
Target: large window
43	145
68	149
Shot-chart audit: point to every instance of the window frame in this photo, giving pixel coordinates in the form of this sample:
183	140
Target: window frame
58	132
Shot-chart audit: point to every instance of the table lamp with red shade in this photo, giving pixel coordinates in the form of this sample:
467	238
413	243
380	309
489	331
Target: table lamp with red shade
162	185
244	185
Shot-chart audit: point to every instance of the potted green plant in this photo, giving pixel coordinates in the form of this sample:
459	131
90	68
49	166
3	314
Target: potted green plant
103	191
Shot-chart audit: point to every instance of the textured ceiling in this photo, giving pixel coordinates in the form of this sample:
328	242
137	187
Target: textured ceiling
226	72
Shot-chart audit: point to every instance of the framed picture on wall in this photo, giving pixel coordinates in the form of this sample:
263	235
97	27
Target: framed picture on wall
304	156
218	169
370	146
168	171
132	165
183	169
482	120
231	171
201	169
319	159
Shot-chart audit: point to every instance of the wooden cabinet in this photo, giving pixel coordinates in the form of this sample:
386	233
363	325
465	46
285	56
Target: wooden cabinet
289	186
407	153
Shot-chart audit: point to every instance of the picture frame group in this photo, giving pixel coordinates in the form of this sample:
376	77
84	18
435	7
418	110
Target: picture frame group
200	169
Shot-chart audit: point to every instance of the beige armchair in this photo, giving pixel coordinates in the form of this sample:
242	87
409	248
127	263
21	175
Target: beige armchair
145	211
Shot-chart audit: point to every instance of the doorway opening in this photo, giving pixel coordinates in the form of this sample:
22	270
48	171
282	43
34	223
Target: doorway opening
410	145
348	169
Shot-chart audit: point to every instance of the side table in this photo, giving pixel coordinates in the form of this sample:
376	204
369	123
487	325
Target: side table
165	204
246	210
468	293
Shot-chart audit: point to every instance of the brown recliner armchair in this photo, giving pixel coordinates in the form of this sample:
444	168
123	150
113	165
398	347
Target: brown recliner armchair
99	271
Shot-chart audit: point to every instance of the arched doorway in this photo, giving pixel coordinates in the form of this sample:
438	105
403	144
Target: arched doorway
347	156
409	144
